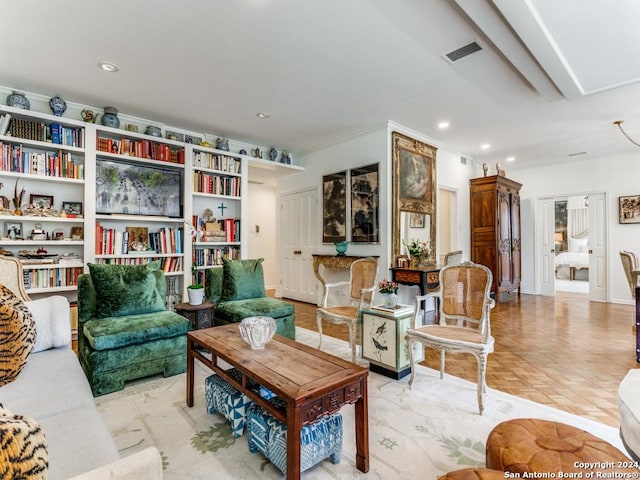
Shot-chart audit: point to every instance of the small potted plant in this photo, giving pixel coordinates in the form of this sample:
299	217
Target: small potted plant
388	290
196	294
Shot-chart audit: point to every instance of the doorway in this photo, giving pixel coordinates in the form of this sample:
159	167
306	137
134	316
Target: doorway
571	239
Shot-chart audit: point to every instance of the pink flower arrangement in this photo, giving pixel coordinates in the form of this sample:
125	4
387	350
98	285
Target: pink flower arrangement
387	286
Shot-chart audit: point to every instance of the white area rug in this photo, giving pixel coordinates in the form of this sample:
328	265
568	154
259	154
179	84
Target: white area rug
419	433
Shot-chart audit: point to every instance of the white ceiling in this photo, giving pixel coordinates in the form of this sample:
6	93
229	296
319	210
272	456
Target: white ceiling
550	80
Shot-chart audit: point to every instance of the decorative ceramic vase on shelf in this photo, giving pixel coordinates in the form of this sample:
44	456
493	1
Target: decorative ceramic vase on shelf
57	105
341	248
284	158
414	261
110	117
222	144
273	154
153	131
18	100
390	300
88	116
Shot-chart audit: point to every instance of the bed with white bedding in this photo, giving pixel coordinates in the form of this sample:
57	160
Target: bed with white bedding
577	258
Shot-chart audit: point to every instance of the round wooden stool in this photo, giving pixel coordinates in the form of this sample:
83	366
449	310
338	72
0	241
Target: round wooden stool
527	445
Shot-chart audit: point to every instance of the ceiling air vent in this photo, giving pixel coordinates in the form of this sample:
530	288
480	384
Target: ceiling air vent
462	52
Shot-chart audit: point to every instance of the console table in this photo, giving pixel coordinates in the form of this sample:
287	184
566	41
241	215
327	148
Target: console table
427	277
333	262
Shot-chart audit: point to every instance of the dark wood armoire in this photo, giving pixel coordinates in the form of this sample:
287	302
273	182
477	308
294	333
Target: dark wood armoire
495	230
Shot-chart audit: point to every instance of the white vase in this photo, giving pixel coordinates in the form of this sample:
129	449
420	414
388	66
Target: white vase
196	295
390	300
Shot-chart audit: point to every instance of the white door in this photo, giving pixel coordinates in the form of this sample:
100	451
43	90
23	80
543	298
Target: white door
298	224
546	246
597	248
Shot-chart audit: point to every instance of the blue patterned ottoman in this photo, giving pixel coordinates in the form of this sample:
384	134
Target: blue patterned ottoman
222	398
318	440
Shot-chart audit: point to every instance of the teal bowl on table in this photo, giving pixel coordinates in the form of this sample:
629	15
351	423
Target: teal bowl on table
341	248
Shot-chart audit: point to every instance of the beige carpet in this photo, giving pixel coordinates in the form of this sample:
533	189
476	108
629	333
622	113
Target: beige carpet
419	433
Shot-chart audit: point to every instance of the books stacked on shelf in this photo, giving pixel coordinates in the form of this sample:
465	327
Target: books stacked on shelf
399	309
70	259
167	264
112	241
214	161
209	257
213	233
145	149
40	131
16	158
228	230
216	184
50	277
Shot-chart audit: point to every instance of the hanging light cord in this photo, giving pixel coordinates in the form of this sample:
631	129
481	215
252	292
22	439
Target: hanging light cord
619	124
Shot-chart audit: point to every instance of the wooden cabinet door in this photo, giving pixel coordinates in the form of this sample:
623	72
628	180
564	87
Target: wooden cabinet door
505	271
515	240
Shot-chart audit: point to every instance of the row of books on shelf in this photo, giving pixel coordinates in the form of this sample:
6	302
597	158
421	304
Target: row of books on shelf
15	158
40	131
167	264
214	161
112	241
210	230
51	277
216	184
146	149
209	257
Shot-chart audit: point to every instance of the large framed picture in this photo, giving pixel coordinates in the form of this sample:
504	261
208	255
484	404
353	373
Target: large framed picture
334	207
629	209
365	226
137	189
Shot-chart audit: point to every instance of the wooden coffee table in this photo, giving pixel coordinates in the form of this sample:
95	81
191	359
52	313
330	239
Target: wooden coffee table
312	383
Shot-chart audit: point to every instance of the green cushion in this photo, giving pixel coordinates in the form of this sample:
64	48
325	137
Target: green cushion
128	289
213	284
242	279
116	332
253	307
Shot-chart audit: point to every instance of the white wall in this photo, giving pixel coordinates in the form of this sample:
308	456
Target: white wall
262	240
371	147
617	176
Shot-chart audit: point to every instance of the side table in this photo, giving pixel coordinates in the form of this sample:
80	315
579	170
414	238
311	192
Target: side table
383	341
201	316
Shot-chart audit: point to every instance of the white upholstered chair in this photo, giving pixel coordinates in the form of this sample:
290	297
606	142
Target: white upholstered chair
11	277
464	299
361	285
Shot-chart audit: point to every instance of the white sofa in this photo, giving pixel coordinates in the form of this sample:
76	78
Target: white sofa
53	390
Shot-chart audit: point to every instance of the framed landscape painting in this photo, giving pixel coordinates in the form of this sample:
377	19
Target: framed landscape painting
334	207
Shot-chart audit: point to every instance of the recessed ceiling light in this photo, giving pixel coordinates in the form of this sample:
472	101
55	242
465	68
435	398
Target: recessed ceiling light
510	159
485	146
443	125
108	67
263	115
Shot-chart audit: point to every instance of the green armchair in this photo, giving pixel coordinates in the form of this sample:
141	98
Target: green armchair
124	330
237	289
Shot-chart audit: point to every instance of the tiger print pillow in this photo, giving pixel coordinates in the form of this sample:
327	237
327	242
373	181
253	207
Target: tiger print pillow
23	447
17	335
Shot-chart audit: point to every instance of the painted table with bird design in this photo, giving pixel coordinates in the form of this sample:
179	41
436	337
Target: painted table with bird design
383	342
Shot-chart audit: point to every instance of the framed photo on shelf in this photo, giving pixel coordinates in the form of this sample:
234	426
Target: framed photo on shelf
629	209
57	234
364	204
41	201
72	208
416	220
13	230
334	207
77	233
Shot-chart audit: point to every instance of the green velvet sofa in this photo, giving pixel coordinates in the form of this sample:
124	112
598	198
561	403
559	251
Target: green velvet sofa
237	289
124	330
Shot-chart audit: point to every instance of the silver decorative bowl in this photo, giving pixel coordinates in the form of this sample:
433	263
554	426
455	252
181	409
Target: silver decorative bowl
257	331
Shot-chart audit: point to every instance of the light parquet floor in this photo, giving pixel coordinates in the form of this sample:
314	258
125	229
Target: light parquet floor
565	352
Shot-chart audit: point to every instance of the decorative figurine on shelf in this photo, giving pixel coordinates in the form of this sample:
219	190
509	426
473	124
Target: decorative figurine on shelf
284	158
110	117
57	105
88	116
256	152
18	100
222	144
273	154
485	169
499	170
242	151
